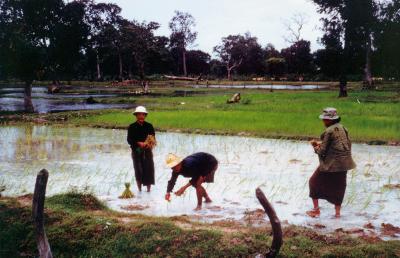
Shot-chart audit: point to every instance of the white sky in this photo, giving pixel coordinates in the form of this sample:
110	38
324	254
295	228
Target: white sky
219	18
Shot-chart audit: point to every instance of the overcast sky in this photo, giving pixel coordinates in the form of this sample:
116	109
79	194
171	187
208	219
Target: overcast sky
219	18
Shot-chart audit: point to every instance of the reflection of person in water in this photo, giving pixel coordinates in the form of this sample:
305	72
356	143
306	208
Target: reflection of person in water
329	180
142	154
200	167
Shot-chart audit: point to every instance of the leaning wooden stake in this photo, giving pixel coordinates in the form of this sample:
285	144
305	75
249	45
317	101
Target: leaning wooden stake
37	213
275	223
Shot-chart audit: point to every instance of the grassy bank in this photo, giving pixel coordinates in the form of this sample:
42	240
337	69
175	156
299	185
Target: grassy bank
78	225
369	116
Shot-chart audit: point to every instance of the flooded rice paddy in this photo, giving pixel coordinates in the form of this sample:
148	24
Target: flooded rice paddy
98	160
12	99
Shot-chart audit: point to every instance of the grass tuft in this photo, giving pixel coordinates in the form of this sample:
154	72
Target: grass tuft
74	202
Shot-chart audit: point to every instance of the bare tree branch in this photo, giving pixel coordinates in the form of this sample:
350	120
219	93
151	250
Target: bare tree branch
294	26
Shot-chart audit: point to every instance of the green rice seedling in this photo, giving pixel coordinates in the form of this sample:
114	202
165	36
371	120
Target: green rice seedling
127	194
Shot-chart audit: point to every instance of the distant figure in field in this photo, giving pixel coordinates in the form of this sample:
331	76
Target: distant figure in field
91	100
140	134
235	99
334	151
200	167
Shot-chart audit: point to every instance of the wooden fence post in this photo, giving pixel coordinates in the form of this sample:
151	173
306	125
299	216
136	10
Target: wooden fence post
37	214
275	223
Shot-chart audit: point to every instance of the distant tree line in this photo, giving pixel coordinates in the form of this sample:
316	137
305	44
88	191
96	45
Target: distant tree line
83	40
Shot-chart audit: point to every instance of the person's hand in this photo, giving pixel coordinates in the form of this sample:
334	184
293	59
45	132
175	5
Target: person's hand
180	192
168	197
141	145
315	143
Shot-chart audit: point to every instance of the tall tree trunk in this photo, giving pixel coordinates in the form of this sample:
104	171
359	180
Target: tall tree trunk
98	67
184	62
28	97
368	83
343	86
345	59
228	69
141	70
120	65
130	75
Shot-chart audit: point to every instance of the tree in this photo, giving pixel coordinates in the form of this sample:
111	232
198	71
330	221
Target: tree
270	51
387	38
298	58
182	35
276	66
217	68
230	53
241	52
198	62
329	60
30	39
159	59
354	19
103	20
141	43
253	57
70	38
294	26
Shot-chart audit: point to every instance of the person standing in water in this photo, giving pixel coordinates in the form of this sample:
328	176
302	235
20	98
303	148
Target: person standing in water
142	154
200	167
334	152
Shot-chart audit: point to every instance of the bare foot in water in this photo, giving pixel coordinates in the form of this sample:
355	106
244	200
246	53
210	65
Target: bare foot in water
314	213
148	188
198	208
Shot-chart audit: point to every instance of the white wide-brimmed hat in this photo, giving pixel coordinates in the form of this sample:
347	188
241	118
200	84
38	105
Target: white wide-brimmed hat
140	109
329	113
172	160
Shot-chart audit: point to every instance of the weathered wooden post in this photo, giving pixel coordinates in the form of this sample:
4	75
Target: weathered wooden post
275	223
37	214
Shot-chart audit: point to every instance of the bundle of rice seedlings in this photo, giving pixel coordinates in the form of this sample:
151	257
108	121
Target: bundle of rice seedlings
127	193
150	141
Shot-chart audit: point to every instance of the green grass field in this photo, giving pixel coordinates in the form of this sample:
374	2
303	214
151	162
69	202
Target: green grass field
369	116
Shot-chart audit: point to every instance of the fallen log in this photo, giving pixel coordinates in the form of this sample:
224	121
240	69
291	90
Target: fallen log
37	214
275	224
182	78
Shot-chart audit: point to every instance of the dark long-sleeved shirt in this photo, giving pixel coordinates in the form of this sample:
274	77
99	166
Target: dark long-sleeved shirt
194	166
138	133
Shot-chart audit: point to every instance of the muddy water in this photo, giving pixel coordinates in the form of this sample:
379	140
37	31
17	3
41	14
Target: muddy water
12	99
98	160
